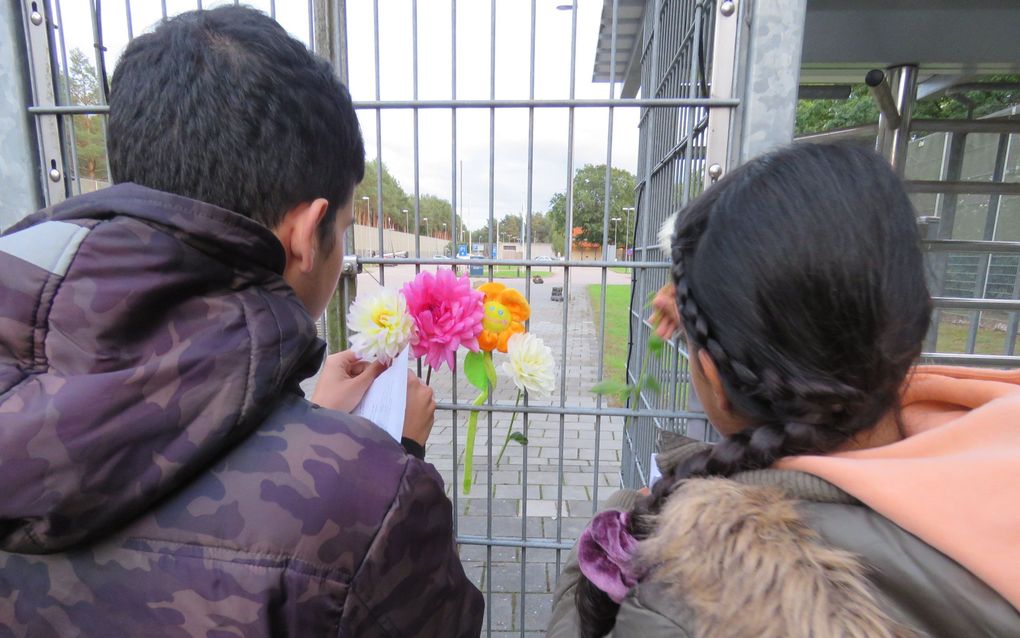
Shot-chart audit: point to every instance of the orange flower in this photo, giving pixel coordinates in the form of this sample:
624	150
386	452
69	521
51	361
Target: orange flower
504	312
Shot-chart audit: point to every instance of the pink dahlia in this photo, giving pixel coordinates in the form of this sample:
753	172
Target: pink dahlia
447	313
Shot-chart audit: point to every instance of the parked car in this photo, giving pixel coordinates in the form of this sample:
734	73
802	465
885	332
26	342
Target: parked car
544	258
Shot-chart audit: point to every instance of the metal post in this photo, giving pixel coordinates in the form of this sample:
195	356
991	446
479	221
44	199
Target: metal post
52	174
770	82
22	192
906	94
720	121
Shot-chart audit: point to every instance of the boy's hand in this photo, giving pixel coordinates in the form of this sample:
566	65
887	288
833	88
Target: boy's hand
420	413
344	380
666	317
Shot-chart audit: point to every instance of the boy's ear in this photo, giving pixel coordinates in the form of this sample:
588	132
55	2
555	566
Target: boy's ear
299	234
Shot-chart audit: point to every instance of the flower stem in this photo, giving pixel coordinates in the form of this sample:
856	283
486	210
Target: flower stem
428	377
509	429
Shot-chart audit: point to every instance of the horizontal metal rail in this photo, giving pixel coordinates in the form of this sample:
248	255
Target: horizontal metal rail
963	187
961	359
530	543
572	263
971	246
995	125
464	104
571	409
967	303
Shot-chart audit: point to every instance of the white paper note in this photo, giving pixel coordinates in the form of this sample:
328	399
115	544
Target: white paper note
653	471
386	400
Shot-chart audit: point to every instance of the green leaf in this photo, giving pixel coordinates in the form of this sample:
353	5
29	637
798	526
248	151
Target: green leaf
469	446
474	370
519	437
655	344
652	383
610	386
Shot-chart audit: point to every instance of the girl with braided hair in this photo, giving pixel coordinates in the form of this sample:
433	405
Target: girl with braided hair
853	494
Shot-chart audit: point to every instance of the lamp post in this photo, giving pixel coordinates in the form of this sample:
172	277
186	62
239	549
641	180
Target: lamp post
445	235
426	220
368	203
616	227
626	230
407	231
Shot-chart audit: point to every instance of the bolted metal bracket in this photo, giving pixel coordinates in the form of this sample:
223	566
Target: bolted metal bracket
351	266
727	8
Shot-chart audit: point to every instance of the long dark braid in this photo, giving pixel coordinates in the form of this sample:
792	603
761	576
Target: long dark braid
811	303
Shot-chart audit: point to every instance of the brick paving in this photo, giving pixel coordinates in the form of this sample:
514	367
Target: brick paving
500	503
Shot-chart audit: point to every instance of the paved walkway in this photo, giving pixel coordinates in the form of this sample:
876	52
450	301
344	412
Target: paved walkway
588	471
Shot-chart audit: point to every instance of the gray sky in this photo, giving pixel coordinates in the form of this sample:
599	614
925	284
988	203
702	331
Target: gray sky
513	33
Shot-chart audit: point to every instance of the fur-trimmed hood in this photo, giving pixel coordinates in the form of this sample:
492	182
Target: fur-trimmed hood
744	563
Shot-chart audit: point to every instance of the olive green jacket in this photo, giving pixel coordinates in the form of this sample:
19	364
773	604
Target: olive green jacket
774	553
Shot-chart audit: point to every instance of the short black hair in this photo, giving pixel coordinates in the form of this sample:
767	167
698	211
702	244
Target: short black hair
223	106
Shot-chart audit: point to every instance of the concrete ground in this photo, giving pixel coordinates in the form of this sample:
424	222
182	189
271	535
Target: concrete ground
557	486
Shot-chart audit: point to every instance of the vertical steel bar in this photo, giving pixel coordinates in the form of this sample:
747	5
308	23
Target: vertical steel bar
311	26
453	155
568	246
906	95
272	8
73	145
130	27
162	6
651	151
527	289
605	240
414	115
378	143
492	214
691	92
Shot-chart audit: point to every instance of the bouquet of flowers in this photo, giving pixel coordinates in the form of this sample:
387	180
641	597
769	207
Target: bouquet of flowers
436	314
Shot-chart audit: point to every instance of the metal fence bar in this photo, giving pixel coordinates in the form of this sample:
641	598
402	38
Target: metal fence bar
454	199
993	125
72	145
963	187
605	242
970	246
526	233
663	103
492	215
378	145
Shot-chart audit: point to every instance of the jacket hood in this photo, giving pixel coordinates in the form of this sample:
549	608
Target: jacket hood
952	481
143	335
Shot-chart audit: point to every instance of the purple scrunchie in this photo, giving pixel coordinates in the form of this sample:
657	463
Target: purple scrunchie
605	551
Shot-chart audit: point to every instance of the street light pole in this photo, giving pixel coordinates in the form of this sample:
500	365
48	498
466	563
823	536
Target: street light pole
616	227
426	220
368	202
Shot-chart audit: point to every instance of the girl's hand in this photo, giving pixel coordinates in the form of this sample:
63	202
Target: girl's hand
666	317
344	380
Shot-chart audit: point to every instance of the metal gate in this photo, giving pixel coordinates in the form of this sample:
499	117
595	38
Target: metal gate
525	512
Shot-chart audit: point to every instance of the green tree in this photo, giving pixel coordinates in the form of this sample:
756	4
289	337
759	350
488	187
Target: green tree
818	116
541	228
395	200
589	206
89	132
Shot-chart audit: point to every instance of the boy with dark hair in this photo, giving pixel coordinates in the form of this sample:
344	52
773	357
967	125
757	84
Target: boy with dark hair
162	473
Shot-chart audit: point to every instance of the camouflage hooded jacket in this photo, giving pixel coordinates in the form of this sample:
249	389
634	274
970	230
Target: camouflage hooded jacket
162	474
